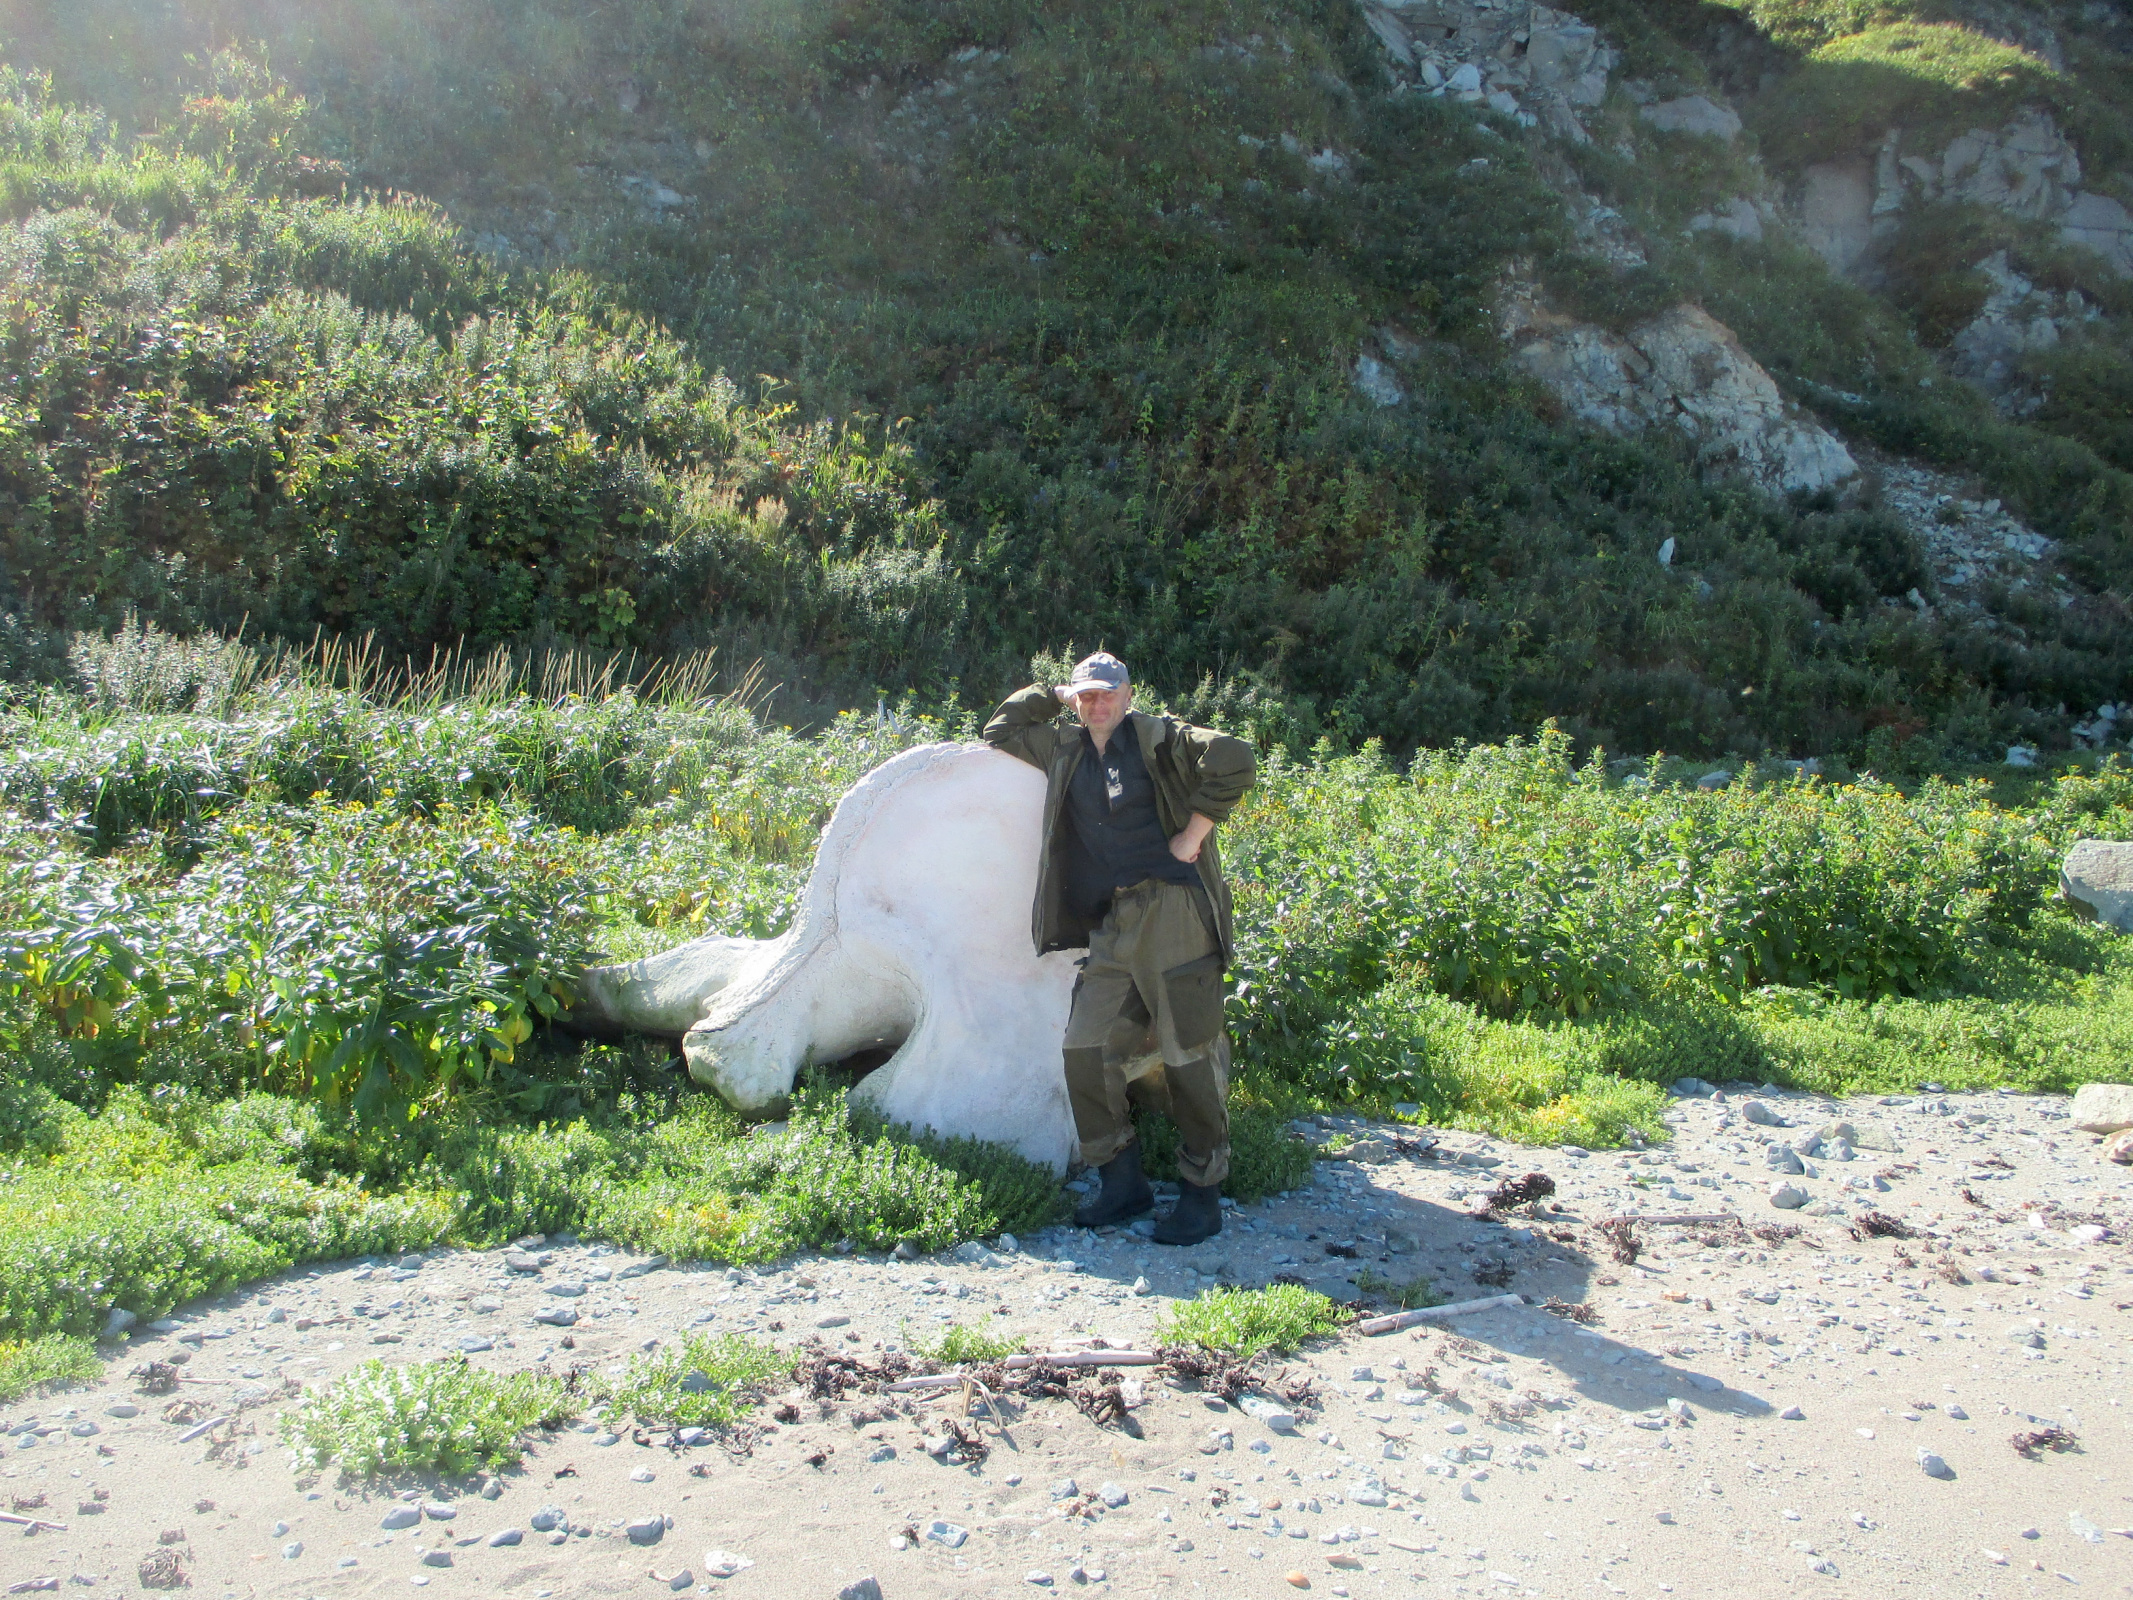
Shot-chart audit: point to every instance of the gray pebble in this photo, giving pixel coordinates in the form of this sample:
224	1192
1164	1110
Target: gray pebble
549	1517
401	1517
504	1536
293	1549
436	1558
566	1288
1065	1489
646	1530
1112	1495
1957	1413
557	1317
122	1408
1788	1196
1933	1466
438	1511
867	1588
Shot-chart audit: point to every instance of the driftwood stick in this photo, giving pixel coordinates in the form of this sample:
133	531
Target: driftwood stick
32	1523
1678	1217
1407	1319
190	1434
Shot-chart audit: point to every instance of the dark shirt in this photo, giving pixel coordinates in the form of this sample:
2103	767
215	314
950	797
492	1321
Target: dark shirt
1111	801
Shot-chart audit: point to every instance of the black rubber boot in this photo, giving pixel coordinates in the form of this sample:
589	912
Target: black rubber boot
1196	1216
1125	1194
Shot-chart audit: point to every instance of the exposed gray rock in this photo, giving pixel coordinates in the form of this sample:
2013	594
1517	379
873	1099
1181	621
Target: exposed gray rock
2103	1107
1788	1196
1692	114
1530	61
2096	880
866	1588
401	1517
2017	319
1681	369
1376	382
1738	217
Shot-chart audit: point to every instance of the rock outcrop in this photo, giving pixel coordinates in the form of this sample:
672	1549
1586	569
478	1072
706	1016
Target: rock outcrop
1681	369
2028	169
2096	880
2017	319
2103	1107
1529	61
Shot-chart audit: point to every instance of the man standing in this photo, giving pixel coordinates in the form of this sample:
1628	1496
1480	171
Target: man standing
1130	870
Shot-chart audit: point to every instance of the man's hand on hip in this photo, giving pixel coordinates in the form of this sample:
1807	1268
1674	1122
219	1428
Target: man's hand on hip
1186	845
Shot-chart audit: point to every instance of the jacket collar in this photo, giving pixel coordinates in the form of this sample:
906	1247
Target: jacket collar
1152	732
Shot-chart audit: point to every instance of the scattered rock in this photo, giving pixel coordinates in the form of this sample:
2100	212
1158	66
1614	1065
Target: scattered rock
1693	114
1759	1113
2120	1149
542	1521
1111	1495
867	1588
557	1317
947	1533
646	1530
724	1564
440	1511
1933	1466
1788	1196
2103	1107
404	1517
1065	1489
1780	1158
1276	1416
504	1537
436	1558
1792	1414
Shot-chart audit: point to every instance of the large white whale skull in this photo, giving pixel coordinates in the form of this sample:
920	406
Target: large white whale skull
913	935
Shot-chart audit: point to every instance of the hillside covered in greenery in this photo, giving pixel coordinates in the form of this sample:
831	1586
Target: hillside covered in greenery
892	344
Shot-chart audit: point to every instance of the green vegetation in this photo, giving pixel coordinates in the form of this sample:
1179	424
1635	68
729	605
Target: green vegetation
442	1416
1244	1322
1056	306
30	1364
959	1343
368	567
705	1381
1412	1295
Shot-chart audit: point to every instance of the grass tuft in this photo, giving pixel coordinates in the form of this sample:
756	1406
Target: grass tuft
1243	1322
445	1417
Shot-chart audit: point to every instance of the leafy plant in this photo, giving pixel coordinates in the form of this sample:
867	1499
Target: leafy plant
1243	1322
443	1416
1409	1296
31	1364
705	1381
959	1342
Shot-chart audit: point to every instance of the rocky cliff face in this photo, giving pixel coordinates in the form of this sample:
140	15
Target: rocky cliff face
1682	369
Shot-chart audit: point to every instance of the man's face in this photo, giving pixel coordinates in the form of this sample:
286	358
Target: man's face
1101	710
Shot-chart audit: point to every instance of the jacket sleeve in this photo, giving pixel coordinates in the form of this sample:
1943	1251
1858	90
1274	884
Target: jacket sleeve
1023	726
1223	769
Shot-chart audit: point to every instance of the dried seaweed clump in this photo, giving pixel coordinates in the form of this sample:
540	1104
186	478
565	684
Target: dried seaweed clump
1620	1235
1512	1193
2054	1439
1880	1225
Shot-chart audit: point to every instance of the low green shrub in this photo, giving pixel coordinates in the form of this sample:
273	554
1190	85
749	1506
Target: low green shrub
30	1364
959	1342
705	1381
1412	1295
1244	1322
444	1416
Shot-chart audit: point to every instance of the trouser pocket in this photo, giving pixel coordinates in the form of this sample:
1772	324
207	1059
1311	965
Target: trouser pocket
1194	994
